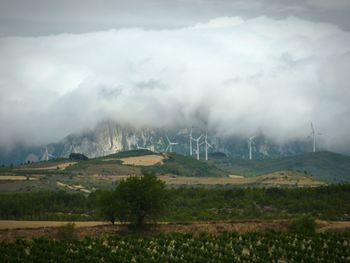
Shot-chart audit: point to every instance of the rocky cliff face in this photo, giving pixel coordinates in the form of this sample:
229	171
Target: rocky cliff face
110	137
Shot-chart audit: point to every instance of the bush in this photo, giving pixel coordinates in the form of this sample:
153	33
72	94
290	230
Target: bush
66	232
78	157
303	225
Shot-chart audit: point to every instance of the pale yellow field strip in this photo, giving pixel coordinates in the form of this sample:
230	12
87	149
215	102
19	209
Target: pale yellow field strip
75	187
61	166
332	225
183	180
13	224
17	178
146	160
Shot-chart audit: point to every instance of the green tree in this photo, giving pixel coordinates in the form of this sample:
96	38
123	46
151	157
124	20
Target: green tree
140	199
107	204
134	200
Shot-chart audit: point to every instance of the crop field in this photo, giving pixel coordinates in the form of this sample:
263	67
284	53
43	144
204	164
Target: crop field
146	160
203	247
47	166
281	178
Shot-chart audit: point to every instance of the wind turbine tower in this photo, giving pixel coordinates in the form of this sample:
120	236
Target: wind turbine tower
140	148
207	145
314	135
170	146
191	139
197	141
250	142
46	155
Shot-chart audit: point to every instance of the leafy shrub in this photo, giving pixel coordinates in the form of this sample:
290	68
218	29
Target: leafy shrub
303	225
78	157
66	232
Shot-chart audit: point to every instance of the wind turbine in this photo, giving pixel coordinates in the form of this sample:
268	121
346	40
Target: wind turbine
170	146
191	139
250	142
46	155
314	135
140	148
72	148
197	141
207	146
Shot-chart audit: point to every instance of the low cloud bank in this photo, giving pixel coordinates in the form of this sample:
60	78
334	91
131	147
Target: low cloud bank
235	76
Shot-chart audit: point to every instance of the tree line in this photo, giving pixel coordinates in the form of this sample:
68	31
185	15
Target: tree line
145	199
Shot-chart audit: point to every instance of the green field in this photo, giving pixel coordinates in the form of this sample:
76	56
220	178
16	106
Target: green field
326	166
226	247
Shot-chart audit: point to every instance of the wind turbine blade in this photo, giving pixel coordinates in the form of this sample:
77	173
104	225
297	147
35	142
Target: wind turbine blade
312	128
210	145
166	149
167	138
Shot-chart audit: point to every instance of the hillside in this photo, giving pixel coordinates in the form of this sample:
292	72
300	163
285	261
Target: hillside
326	166
186	166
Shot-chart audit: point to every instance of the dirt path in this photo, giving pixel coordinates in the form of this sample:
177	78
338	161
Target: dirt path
13	224
11	230
17	178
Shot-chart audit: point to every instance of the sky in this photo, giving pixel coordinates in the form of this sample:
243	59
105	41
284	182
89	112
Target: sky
237	66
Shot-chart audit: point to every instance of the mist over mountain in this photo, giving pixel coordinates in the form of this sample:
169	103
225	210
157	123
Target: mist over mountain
110	137
233	76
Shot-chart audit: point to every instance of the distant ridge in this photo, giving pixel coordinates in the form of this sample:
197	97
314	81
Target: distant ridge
326	166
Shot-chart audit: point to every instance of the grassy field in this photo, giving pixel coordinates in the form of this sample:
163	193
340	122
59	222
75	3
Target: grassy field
325	166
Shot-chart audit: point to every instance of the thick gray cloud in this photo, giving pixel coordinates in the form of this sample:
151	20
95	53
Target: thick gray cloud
237	75
44	17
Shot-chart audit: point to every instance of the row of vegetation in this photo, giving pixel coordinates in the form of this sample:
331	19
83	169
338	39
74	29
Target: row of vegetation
225	247
140	194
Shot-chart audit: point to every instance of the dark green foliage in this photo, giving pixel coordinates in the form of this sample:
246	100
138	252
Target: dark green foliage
218	155
303	225
131	153
143	198
66	232
186	166
186	204
329	203
46	206
107	203
134	200
78	157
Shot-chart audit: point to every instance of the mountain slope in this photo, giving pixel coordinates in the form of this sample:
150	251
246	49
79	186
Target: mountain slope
327	166
110	137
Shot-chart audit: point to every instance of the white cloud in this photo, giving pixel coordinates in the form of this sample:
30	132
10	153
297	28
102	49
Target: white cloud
237	76
221	22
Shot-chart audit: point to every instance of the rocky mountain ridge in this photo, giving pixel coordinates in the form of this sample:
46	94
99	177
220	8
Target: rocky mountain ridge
110	137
